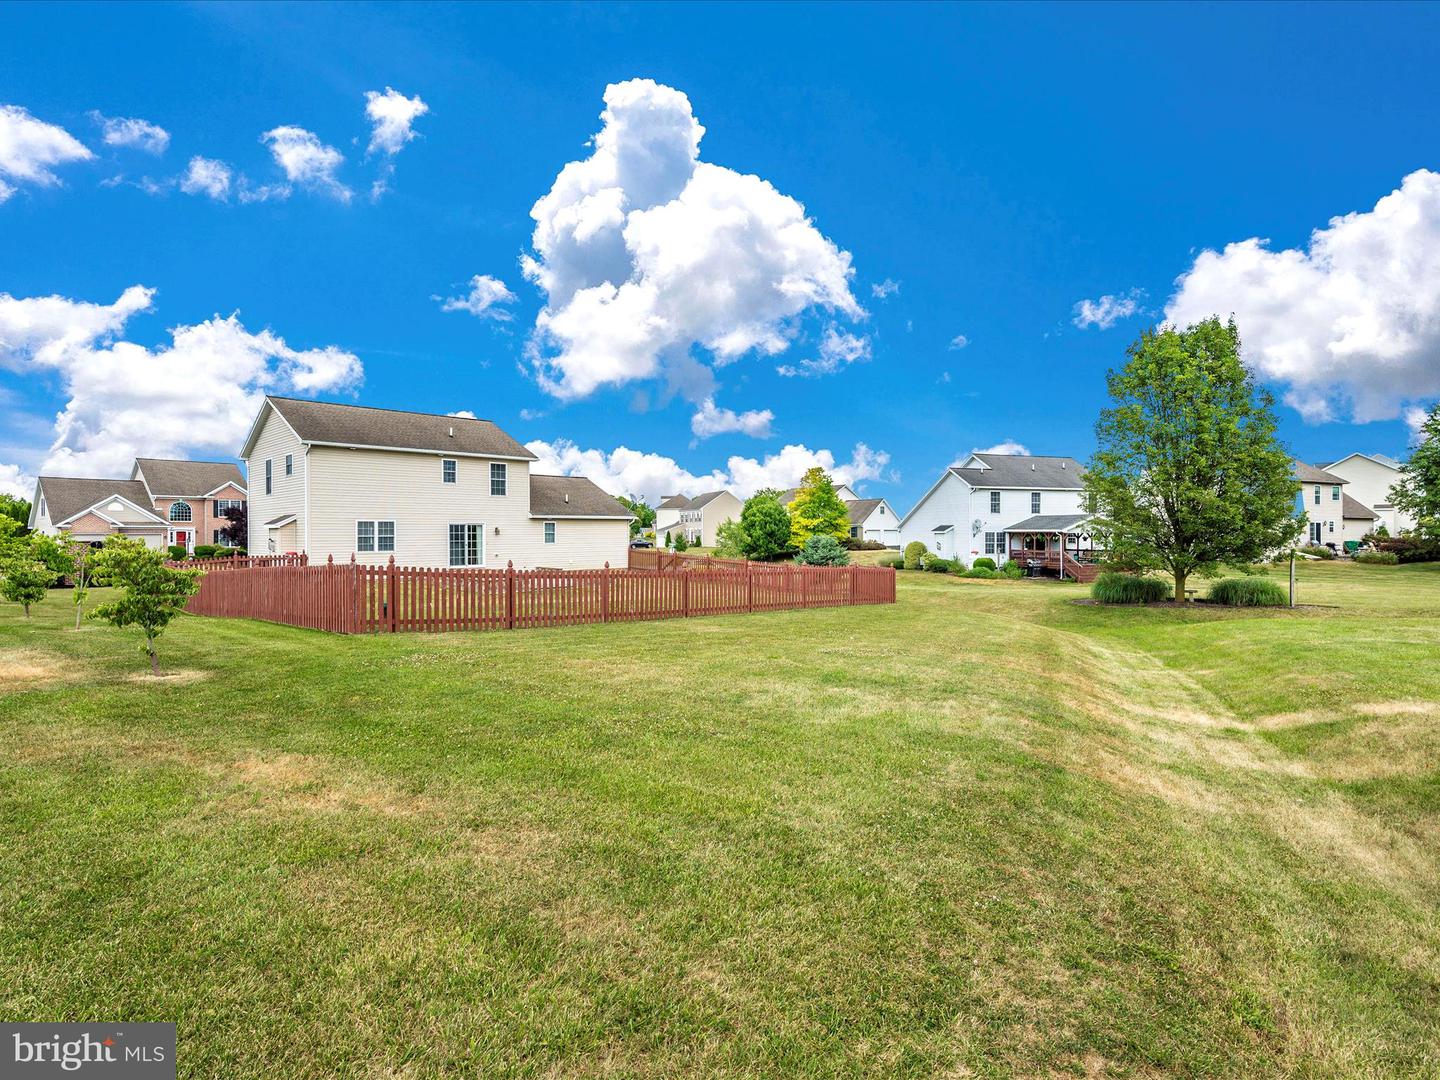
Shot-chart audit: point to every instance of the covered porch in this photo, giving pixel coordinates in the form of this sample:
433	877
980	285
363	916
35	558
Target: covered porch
1058	544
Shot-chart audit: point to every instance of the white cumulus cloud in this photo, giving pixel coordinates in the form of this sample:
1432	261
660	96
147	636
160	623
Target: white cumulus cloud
306	161
30	147
391	115
197	394
885	289
652	476
206	176
485	294
958	342
1106	311
1006	446
15	482
646	253
837	350
132	132
710	420
1350	325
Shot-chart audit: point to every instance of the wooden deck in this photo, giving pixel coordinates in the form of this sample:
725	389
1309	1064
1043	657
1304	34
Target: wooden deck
1083	572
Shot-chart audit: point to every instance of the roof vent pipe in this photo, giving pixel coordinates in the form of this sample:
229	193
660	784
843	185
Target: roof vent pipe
567	496
452	432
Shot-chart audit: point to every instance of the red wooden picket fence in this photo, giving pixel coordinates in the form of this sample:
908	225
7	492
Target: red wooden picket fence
353	598
655	559
241	562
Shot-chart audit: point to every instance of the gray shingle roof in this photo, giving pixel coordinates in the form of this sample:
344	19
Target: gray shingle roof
674	502
692	502
360	425
1016	471
860	509
1049	523
166	476
1310	474
66	496
703	499
1355	510
547	498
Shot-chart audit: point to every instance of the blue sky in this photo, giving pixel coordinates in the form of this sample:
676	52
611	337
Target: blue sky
999	164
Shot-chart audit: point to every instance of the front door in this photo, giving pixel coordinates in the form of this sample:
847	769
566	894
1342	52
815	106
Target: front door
1315	532
180	537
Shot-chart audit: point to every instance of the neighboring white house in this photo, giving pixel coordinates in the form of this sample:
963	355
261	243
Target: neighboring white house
1368	479
1322	498
430	490
991	504
697	517
870	519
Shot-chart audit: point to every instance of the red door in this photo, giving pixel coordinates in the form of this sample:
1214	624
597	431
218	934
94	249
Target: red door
182	538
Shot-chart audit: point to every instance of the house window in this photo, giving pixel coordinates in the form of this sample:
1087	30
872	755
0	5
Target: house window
854	532
375	536
994	543
215	537
447	471
42	505
1317	494
467	545
268	464
994	502
1315	532
1335	493
1034	502
180	511
1332	526
497	478
224	506
549	532
289	464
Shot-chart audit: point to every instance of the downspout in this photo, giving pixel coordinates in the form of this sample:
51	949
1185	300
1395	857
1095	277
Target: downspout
306	462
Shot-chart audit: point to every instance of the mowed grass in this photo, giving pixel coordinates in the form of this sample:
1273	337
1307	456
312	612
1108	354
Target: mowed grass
983	832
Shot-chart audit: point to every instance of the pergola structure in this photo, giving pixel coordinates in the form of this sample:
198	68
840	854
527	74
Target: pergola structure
1054	542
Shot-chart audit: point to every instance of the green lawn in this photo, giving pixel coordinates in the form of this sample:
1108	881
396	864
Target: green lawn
983	832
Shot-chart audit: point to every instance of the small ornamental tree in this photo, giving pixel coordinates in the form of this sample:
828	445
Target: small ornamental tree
681	544
766	524
1417	492
822	550
81	556
153	592
237	533
730	540
817	510
644	514
1189	473
25	577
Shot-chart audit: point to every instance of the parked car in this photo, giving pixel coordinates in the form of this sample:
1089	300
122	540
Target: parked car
641	544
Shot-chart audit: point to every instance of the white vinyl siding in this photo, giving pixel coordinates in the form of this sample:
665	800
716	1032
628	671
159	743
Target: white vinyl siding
280	496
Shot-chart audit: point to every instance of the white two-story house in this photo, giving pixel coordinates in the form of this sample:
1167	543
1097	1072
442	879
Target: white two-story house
1369	479
331	480
1001	505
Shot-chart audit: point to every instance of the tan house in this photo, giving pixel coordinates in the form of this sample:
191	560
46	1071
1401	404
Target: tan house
697	517
331	480
165	502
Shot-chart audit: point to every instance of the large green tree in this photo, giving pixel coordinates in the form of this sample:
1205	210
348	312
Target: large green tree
817	510
1189	474
152	595
1417	492
15	508
644	514
766	525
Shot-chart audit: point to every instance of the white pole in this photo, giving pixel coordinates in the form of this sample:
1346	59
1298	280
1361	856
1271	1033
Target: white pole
1292	578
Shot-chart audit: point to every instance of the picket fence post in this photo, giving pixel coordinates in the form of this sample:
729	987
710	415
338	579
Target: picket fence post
510	595
749	588
605	593
684	593
390	605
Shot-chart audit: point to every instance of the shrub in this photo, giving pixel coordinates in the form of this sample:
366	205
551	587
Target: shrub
681	544
730	540
915	553
1113	588
1377	558
177	552
978	571
852	544
937	564
821	549
1410	549
1317	550
205	551
984	563
1012	569
1248	592
895	562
